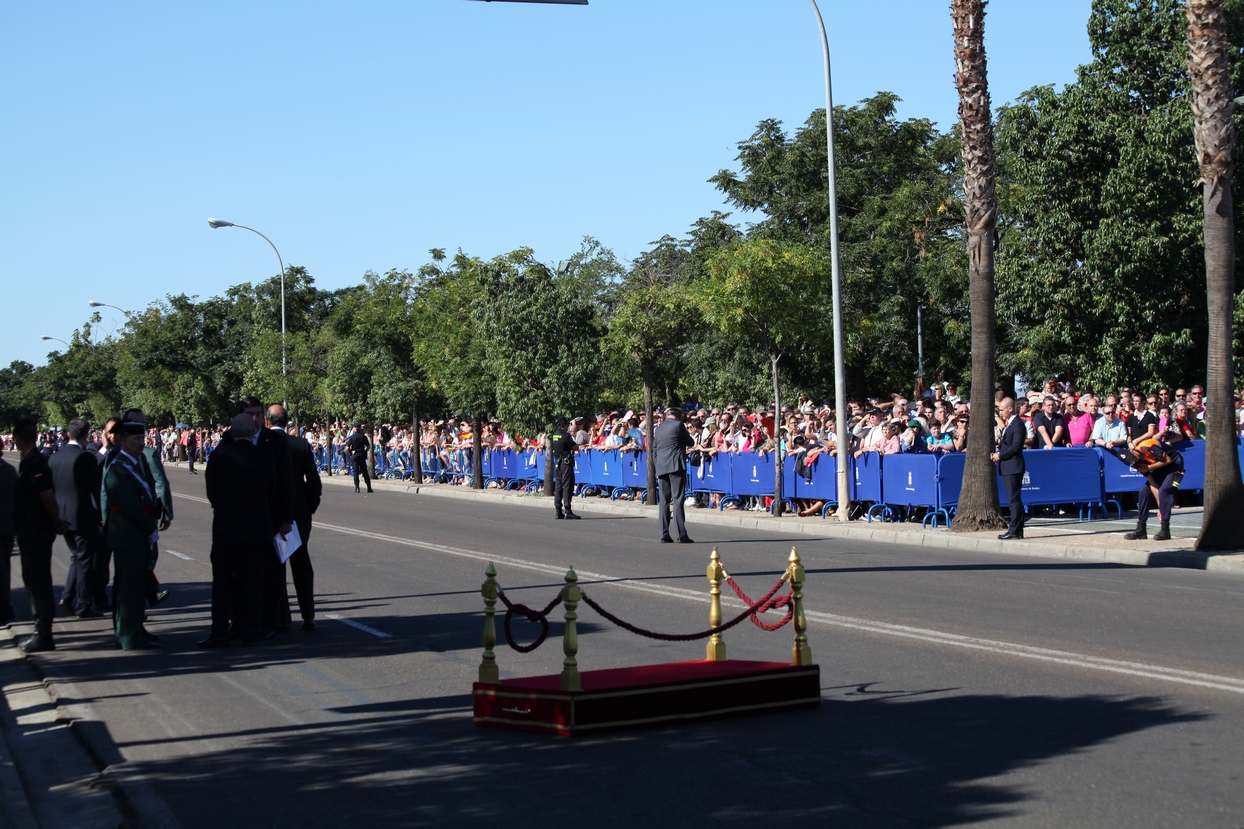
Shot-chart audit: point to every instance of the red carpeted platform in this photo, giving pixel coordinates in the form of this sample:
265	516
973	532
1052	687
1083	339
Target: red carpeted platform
646	695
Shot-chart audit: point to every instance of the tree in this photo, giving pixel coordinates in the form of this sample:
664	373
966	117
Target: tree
899	228
763	291
653	317
978	500
453	346
1101	265
1222	527
544	344
17	394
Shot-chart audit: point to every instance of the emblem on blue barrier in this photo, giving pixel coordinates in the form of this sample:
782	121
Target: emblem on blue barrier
1027	480
754	474
909	477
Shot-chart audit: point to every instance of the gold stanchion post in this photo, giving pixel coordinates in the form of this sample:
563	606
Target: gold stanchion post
801	653
571	594
488	667
716	648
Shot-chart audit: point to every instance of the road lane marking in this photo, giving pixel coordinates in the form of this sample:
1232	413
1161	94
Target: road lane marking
181	556
359	626
1097	663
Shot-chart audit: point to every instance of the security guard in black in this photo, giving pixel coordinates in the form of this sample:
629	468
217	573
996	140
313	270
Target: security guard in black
562	446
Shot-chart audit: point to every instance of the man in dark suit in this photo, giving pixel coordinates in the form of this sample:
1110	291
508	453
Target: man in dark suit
356	448
307	493
77	480
562	448
35	516
670	443
8	483
105	451
242	487
1010	460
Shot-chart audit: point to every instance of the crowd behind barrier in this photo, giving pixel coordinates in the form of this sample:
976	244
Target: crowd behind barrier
889	485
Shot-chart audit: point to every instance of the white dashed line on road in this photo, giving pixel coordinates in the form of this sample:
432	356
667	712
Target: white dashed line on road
181	556
360	626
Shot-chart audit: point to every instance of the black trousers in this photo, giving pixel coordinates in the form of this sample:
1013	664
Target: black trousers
1166	494
36	552
237	587
80	583
563	486
1015	494
672	490
101	572
6	576
304	576
359	466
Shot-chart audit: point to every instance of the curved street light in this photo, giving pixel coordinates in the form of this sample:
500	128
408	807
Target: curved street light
57	339
95	304
218	223
843	512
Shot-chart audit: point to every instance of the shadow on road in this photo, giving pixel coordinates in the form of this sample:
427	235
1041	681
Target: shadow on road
868	757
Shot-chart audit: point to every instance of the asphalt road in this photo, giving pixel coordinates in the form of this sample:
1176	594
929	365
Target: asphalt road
957	688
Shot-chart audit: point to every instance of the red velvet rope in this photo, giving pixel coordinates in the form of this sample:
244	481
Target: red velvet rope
771	604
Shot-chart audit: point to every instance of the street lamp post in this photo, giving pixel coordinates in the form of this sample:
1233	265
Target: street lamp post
840	371
95	304
57	339
215	223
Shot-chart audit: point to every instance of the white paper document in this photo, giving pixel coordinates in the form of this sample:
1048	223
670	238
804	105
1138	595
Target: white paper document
287	545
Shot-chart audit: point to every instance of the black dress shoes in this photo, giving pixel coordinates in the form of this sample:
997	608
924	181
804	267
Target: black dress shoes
38	643
89	613
160	597
560	516
308	624
686	539
665	539
148	635
572	515
213	642
145	645
1007	536
65	606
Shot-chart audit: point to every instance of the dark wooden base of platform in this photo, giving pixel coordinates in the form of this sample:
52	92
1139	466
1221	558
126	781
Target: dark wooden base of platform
647	695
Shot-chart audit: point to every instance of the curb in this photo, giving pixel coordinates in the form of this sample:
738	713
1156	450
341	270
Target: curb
1178	554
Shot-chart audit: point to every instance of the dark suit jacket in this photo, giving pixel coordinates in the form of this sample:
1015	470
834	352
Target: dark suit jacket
273	440
76	476
241	486
1011	448
307	486
670	443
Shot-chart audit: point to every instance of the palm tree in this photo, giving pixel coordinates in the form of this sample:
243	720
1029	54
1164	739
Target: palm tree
1212	106
978	500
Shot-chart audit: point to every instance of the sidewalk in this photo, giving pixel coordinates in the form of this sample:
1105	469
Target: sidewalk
1064	537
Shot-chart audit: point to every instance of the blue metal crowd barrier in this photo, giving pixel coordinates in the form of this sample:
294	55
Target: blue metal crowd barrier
907	480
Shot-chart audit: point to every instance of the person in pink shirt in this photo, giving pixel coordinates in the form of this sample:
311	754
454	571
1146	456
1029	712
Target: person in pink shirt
1078	422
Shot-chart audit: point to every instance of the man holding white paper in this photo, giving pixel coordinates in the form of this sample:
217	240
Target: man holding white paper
307	493
241	483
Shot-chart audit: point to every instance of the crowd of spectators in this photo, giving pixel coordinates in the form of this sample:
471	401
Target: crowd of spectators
933	419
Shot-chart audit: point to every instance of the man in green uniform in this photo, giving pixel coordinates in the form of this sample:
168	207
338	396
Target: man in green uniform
130	518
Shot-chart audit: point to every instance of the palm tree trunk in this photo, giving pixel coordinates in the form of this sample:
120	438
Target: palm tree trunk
978	500
1222	525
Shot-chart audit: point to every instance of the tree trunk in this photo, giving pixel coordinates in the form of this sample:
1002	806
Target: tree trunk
477	451
978	500
1222	526
651	498
777	439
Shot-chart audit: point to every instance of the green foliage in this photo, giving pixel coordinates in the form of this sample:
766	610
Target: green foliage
543	342
17	398
899	234
1101	264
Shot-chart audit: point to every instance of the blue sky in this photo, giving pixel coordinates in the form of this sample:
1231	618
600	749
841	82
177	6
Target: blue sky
357	136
